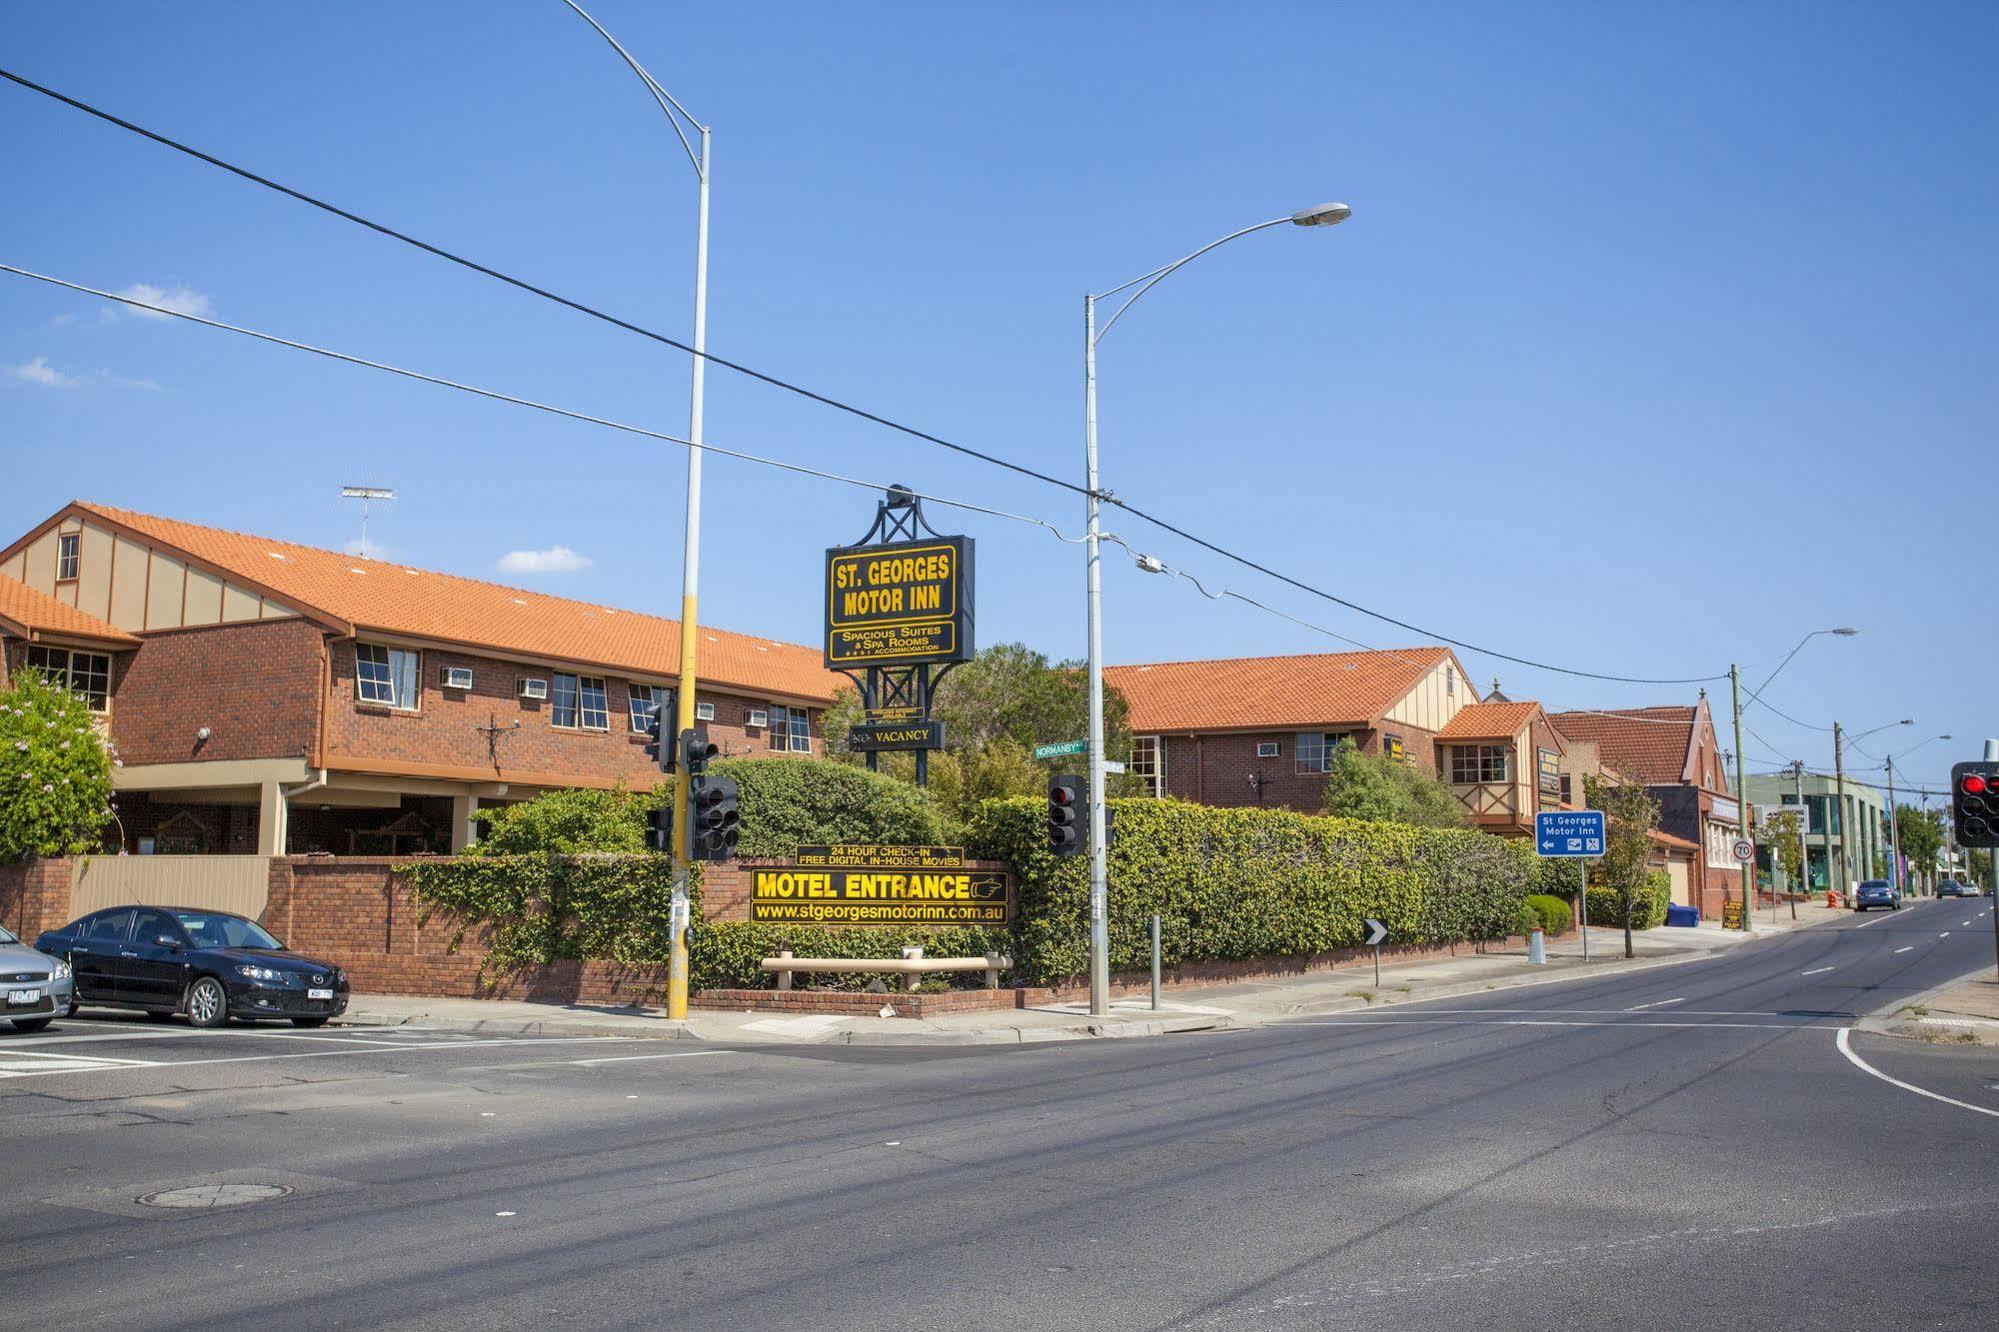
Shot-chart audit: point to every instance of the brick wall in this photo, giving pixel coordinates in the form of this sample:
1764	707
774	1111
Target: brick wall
255	686
443	731
34	896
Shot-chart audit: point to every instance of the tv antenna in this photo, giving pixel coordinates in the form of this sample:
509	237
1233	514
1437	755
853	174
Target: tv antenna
366	494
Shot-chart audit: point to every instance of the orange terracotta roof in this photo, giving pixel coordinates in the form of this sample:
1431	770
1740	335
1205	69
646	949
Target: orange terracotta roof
362	594
1647	745
1258	693
1489	721
1677	843
27	613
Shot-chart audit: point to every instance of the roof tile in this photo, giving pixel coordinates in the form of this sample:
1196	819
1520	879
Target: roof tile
1647	745
1252	693
1489	721
39	613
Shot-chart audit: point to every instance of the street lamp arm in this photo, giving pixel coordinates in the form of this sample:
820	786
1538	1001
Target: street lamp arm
1147	281
668	103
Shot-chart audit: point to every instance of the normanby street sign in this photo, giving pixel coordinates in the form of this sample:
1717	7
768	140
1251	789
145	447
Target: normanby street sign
1569	832
1058	750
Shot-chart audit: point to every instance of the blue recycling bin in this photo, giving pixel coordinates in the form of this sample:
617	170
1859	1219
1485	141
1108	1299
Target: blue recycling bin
1685	916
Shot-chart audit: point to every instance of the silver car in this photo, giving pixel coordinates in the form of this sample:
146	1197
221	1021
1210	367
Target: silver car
35	988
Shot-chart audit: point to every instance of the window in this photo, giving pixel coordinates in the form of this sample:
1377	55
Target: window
790	729
107	927
1315	751
1475	765
1148	762
154	925
66	555
704	712
1568	790
578	703
645	704
87	674
1450	682
385	675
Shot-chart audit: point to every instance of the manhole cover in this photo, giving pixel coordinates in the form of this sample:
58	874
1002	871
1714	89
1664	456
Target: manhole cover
214	1195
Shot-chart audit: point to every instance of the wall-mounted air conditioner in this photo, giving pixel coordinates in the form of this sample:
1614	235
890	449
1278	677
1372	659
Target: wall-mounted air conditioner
758	717
704	712
457	677
533	688
1266	749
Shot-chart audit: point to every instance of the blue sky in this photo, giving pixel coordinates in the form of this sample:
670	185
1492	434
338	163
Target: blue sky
1661	334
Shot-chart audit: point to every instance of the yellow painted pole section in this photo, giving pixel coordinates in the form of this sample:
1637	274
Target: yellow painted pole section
676	974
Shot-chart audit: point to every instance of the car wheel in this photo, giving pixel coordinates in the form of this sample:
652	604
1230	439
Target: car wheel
309	1022
207	1003
31	1024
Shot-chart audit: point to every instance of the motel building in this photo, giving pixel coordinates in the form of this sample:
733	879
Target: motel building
267	698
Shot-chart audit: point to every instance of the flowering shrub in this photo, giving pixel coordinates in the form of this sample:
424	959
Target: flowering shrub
55	772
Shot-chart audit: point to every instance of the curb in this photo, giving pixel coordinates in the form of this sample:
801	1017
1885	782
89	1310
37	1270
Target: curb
669	1030
1881	1021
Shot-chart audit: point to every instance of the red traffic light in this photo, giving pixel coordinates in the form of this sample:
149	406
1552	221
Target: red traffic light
1062	795
1973	784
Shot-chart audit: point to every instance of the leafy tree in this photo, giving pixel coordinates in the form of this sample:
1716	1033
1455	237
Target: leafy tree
995	709
1386	790
1782	832
1922	835
1630	815
567	823
55	772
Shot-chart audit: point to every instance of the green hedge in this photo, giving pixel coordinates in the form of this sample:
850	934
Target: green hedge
1554	913
1237	884
1648	907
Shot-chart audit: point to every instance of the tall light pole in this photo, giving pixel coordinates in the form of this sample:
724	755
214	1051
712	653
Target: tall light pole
690	564
1100	975
1741	777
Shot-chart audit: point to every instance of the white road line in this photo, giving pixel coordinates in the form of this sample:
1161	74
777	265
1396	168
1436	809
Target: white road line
633	1059
1846	1048
1865	923
1549	1022
1944	935
1815	971
1656	1003
136	1034
1906	949
97	1066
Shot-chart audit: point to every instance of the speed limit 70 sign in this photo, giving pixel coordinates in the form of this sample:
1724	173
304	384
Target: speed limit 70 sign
1744	850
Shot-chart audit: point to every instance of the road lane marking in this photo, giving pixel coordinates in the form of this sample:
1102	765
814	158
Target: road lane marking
1846	1048
1547	1022
101	1066
1905	949
1815	971
1865	923
1656	1003
1944	935
633	1059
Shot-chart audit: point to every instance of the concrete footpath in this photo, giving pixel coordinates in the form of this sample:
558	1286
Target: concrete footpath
1182	1008
1965	1012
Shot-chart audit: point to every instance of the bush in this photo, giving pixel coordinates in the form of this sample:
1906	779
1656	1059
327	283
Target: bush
1236	884
568	823
55	773
789	801
1648	906
1554	913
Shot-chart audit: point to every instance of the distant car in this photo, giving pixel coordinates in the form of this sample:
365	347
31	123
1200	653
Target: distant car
1949	888
34	987
1877	893
207	965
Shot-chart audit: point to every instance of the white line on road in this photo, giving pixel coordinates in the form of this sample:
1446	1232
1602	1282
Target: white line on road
1815	971
1944	935
1656	1003
1545	1022
1846	1048
102	1066
1905	949
633	1059
1865	923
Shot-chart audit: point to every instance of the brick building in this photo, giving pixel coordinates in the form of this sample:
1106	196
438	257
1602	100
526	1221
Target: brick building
1262	730
1674	754
267	697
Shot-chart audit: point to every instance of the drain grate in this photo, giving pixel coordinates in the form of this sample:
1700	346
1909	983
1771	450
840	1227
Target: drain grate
214	1195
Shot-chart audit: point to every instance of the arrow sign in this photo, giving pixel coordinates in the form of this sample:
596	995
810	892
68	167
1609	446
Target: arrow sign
1377	933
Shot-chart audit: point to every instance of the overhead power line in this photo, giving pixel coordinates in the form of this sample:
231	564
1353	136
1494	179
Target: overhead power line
824	399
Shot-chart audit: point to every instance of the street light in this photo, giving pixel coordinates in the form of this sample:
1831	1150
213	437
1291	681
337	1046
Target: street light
690	566
1843	631
1324	215
1894	820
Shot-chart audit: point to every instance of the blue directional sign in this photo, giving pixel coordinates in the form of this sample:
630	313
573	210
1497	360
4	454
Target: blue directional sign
1569	832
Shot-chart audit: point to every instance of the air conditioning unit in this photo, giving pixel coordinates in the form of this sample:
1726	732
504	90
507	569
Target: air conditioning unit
533	688
457	677
758	717
704	712
1266	749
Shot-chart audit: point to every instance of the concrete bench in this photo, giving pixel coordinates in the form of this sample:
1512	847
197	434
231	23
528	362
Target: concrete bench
912	965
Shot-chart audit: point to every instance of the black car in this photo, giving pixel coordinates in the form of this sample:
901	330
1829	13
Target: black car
209	965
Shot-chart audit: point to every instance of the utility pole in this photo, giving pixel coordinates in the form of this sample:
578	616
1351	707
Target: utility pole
1100	950
1894	832
1746	868
1839	817
1804	848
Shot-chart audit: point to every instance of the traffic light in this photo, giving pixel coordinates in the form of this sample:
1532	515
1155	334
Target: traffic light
1974	803
1065	812
661	754
712	816
659	833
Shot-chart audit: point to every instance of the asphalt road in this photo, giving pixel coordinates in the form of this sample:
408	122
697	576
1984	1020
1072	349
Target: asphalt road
1681	1146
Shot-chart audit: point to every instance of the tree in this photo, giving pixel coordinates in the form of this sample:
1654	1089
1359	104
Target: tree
995	709
1386	790
1921	832
1782	832
55	772
567	823
1630	814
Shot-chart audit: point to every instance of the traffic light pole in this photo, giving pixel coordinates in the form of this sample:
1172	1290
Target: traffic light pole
1100	970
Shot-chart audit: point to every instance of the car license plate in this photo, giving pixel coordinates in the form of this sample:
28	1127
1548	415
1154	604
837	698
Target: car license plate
319	994
24	996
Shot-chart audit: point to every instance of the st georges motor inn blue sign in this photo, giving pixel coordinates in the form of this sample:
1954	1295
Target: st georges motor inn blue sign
1567	832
